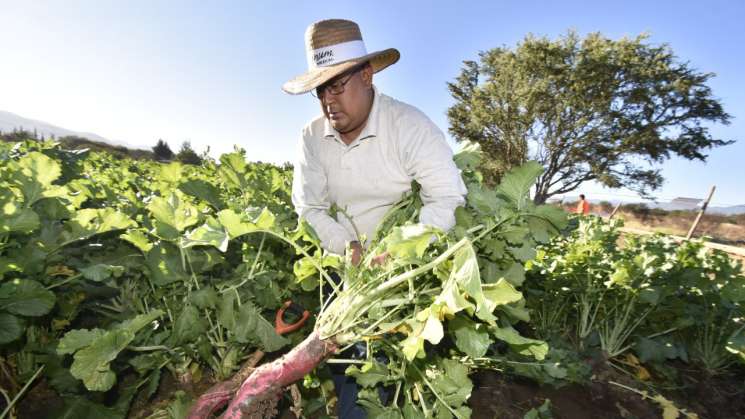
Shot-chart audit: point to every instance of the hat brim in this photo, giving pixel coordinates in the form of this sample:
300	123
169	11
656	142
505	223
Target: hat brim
306	82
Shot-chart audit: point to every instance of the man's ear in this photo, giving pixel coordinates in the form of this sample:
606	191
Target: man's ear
367	75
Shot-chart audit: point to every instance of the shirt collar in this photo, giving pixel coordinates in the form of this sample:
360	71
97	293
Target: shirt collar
371	126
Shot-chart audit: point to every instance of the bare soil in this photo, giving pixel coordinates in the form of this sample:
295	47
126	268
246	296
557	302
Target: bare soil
498	395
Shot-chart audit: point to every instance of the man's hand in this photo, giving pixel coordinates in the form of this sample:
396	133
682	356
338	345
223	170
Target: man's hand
356	256
356	248
379	260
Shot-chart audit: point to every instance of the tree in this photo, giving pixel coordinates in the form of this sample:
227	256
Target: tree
590	109
162	151
187	155
17	135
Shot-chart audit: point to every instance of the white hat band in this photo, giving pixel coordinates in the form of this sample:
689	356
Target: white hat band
332	54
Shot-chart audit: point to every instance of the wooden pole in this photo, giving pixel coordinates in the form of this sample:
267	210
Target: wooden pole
701	213
614	210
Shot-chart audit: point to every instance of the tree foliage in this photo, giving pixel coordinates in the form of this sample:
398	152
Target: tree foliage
587	109
162	151
18	135
187	155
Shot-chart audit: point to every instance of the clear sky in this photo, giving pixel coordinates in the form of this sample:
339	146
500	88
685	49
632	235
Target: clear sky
210	72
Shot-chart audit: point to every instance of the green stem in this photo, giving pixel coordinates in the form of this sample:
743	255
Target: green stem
151	348
302	251
664	332
251	271
168	309
399	384
384	317
345	361
20	393
58	248
437	395
5	396
418	388
401	204
404	277
644	394
13	383
351	303
59	284
351	221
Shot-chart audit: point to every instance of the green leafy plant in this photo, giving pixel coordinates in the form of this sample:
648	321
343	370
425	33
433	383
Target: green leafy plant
90	245
462	285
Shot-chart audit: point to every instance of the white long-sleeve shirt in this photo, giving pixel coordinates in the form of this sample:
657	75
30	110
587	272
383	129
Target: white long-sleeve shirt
365	178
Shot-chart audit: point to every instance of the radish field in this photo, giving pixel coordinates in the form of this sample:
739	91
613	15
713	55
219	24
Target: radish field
128	288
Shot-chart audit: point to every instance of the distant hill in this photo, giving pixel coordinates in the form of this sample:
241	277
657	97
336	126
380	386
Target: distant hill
10	122
16	128
682	204
677	204
733	210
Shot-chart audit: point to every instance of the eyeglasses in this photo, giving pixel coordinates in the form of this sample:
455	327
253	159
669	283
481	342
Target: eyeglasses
337	87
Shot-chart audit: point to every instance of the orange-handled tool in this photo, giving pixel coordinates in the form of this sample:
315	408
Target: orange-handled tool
279	322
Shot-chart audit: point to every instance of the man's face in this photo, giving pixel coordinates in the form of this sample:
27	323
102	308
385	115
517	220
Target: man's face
347	111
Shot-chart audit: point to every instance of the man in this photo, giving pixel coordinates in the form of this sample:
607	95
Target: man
583	207
363	152
366	148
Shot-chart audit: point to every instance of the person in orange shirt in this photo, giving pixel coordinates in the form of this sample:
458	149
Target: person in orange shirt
583	207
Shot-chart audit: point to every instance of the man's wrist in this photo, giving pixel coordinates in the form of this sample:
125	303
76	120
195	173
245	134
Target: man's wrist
354	245
355	254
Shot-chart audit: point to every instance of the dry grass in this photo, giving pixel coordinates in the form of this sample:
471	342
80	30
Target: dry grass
723	232
726	229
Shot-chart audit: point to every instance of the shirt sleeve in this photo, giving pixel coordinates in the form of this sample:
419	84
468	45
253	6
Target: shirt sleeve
429	160
310	197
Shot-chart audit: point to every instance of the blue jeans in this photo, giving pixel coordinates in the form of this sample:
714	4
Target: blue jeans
346	393
346	387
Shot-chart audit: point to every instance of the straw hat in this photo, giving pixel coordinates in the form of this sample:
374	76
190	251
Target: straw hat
332	47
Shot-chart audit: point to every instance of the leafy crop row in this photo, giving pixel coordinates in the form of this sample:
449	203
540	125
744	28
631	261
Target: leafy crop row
114	272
